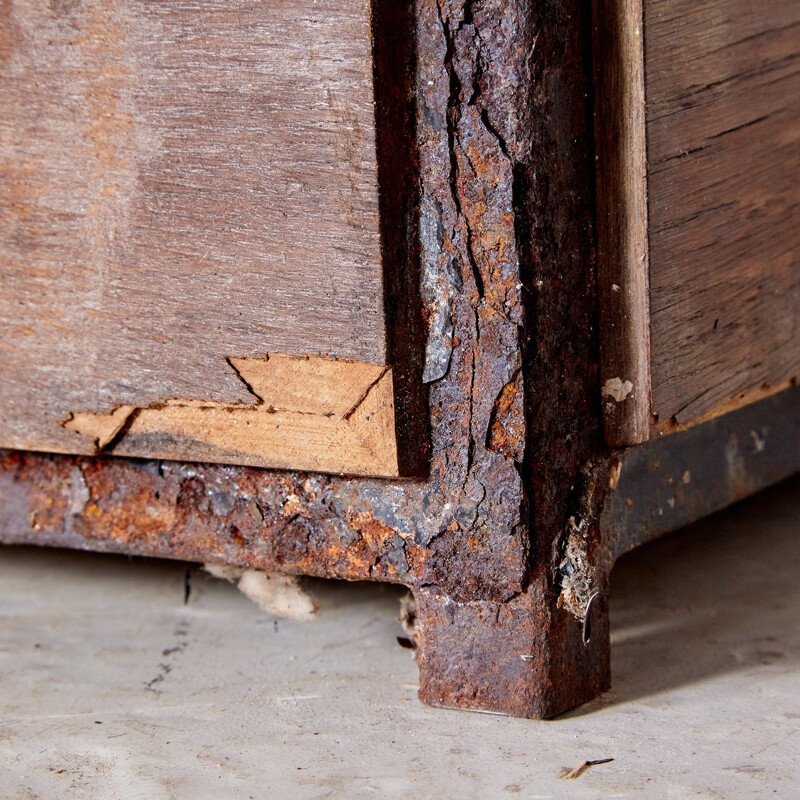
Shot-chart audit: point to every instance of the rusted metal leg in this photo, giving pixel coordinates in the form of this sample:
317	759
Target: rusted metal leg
525	657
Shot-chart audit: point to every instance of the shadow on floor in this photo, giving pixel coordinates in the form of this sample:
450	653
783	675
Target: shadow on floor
719	596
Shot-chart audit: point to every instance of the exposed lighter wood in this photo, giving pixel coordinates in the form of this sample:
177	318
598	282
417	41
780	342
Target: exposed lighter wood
180	181
622	220
308	385
314	413
723	126
102	429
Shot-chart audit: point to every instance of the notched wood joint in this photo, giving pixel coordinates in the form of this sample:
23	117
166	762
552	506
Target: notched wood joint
309	412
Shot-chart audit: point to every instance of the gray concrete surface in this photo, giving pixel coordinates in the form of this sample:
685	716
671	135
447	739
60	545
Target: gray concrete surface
111	686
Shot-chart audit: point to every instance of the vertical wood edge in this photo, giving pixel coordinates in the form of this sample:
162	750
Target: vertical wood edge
622	220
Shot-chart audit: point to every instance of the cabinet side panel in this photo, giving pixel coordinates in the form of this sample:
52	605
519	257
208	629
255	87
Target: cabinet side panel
180	184
723	130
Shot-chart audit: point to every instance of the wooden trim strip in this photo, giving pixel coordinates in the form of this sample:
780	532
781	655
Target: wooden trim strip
308	413
622	220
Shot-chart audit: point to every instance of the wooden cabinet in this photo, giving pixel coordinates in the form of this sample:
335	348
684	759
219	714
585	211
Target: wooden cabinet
471	297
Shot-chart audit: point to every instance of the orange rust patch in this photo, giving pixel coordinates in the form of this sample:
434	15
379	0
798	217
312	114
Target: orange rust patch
141	518
507	429
373	531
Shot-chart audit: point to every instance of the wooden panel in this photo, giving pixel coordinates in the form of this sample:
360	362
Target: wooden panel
181	184
723	139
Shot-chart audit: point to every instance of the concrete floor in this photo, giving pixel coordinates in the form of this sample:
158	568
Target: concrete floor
112	687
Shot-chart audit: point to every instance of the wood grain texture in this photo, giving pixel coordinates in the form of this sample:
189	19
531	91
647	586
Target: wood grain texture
305	413
180	182
723	137
622	251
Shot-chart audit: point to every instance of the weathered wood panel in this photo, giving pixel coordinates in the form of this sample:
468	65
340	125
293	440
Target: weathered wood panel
180	183
722	82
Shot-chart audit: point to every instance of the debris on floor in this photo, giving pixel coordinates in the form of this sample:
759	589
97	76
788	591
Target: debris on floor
278	594
568	774
408	621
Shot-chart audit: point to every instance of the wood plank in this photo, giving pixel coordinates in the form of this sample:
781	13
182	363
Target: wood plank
181	183
723	137
622	251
